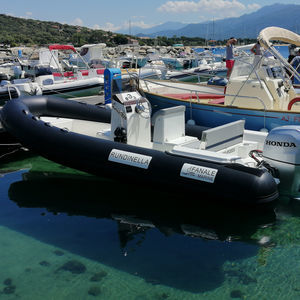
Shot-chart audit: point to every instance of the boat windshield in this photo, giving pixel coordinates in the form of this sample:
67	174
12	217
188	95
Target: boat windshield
249	65
126	84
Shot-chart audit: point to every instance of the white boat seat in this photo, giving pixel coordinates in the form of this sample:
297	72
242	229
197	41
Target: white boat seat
224	136
169	124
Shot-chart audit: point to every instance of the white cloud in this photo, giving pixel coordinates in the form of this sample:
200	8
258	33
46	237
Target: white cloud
137	24
96	26
137	17
208	8
28	15
110	27
77	22
254	6
125	26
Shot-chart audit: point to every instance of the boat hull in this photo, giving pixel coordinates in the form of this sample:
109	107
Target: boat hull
128	163
73	89
212	115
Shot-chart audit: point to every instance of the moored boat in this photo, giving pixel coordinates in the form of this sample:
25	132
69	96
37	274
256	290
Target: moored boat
130	148
258	91
50	76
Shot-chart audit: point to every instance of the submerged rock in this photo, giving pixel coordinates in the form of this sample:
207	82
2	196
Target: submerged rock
98	276
7	281
58	252
94	291
73	266
45	263
9	289
163	296
241	276
236	294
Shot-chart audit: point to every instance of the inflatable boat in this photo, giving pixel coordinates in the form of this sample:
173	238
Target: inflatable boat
128	143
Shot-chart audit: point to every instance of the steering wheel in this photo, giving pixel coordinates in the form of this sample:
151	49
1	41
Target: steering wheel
144	110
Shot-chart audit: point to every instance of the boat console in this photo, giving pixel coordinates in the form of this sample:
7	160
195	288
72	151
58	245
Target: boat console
131	119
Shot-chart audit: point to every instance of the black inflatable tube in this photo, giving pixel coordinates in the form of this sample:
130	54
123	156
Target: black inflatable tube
233	182
58	107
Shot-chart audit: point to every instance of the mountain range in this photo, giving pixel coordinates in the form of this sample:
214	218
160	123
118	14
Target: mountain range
245	26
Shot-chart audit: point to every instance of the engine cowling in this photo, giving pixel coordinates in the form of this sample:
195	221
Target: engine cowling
282	151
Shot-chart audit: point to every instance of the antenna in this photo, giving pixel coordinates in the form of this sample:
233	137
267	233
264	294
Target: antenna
129	27
213	28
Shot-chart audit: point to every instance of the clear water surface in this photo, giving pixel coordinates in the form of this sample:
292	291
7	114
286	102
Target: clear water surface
67	235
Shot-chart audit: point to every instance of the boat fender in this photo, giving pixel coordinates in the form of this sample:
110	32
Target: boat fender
263	129
292	102
191	122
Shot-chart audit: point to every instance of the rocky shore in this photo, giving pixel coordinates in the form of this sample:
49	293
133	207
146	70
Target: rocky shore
109	52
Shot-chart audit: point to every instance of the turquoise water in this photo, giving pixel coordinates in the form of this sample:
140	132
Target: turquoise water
68	235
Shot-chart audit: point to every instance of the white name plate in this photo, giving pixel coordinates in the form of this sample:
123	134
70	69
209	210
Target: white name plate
130	158
198	173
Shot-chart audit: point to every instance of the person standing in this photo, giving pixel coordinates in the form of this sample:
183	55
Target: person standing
292	52
229	55
296	65
256	49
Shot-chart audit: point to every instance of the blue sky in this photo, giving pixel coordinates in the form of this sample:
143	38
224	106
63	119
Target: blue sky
116	14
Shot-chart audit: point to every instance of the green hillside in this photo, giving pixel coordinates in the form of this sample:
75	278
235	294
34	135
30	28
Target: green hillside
27	32
18	31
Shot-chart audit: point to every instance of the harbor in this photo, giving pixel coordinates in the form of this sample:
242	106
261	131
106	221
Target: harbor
150	156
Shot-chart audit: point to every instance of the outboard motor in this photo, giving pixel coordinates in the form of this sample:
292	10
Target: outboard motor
282	151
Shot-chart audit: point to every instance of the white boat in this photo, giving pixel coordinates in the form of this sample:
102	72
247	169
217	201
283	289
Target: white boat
48	76
197	67
92	54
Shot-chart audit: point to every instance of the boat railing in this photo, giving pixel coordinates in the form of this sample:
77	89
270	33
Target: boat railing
10	86
253	69
285	63
198	92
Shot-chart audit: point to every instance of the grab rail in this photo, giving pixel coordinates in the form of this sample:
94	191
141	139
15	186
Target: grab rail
196	92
